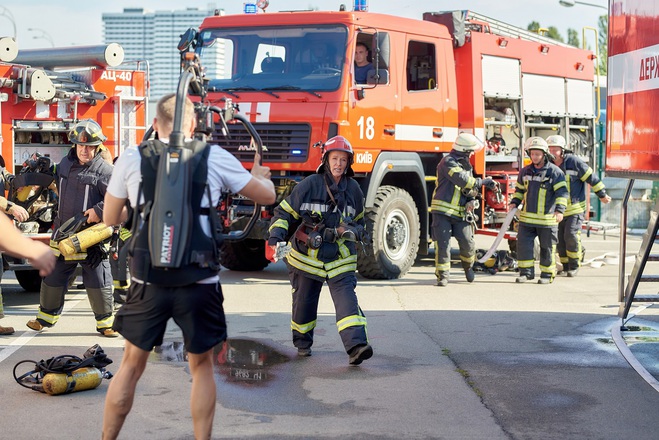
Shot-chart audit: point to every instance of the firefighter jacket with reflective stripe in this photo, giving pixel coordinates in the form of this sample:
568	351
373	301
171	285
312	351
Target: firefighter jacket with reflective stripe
542	191
577	175
309	206
79	188
454	173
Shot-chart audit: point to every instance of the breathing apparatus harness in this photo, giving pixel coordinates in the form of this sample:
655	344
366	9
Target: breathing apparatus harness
171	219
65	367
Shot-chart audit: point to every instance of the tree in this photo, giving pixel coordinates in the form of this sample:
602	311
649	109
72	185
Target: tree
603	40
573	38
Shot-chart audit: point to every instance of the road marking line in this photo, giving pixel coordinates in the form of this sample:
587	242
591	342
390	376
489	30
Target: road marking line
22	340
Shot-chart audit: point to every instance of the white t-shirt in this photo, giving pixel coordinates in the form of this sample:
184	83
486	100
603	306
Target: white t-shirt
225	172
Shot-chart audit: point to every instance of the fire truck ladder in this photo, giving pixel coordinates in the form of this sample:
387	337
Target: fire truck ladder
627	294
497	27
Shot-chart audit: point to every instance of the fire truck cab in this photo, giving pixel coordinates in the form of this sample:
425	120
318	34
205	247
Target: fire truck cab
293	75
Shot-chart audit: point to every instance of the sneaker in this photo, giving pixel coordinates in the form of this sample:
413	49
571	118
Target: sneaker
470	275
6	330
360	353
35	325
572	273
304	352
545	281
442	282
109	333
522	279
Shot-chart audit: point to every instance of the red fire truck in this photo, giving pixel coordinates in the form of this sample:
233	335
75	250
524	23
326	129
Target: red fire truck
292	75
44	92
632	150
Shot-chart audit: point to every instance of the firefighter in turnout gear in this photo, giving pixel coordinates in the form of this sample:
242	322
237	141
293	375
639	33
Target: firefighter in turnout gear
82	178
324	214
577	175
453	203
542	192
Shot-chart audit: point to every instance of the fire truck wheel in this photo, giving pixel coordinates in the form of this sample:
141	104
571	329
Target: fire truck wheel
29	280
393	224
246	255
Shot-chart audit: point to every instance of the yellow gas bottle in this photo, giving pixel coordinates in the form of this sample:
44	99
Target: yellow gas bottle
81	241
23	193
81	379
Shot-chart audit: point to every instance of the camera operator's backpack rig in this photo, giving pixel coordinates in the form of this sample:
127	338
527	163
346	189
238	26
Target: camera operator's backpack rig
67	373
178	168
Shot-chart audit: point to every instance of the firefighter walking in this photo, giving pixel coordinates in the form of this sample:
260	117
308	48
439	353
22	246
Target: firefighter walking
329	209
453	203
542	192
82	178
577	175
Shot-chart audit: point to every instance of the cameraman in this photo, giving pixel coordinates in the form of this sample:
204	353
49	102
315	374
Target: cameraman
331	207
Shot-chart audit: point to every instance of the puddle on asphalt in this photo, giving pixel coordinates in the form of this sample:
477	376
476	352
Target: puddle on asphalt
243	361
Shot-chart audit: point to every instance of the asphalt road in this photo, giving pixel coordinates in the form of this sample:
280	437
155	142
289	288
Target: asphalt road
487	360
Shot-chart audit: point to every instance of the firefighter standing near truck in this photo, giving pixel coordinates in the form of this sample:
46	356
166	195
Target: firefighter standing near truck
542	192
325	214
577	175
82	178
453	203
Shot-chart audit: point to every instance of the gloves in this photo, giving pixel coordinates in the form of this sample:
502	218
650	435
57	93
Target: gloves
95	255
489	183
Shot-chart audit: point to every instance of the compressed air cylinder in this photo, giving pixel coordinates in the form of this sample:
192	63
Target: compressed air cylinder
24	193
81	379
81	241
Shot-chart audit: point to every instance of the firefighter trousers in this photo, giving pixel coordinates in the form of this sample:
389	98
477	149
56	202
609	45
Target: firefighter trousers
569	241
443	227
547	236
97	281
350	320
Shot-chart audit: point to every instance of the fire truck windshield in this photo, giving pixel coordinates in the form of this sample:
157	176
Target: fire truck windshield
280	58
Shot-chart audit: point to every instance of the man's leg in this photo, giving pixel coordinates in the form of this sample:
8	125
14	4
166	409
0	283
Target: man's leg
121	392
441	234
464	233
202	396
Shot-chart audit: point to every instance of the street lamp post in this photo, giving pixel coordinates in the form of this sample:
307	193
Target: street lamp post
7	13
570	3
43	34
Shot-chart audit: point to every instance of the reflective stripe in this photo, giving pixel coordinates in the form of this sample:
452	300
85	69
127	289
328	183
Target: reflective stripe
443	267
525	264
303	328
467	259
286	207
575	208
105	323
351	321
50	319
279	223
313	207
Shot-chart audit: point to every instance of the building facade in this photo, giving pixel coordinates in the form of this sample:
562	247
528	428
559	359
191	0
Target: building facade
153	36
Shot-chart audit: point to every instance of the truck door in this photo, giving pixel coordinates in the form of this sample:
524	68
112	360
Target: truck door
420	125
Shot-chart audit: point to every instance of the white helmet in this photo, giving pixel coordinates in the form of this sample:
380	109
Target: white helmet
556	140
467	143
536	143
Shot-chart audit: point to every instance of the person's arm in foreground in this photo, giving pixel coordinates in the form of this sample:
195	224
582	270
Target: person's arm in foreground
14	243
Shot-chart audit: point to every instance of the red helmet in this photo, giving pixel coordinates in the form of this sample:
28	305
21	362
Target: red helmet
337	143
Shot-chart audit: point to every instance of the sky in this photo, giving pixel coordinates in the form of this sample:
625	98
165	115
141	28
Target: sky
75	22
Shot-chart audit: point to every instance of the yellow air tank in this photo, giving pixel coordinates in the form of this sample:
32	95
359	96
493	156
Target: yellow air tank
81	241
81	379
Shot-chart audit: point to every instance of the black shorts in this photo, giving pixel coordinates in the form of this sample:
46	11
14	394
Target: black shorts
196	309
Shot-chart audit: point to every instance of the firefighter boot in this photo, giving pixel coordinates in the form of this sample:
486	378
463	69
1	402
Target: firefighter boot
6	330
524	276
469	274
359	354
442	279
573	268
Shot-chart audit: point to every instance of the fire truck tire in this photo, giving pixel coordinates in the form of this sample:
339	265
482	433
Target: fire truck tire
246	255
29	280
393	224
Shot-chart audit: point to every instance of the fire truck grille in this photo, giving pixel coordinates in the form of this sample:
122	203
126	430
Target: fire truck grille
284	142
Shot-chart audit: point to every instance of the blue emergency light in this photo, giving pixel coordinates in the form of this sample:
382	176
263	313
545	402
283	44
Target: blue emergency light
360	5
250	8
